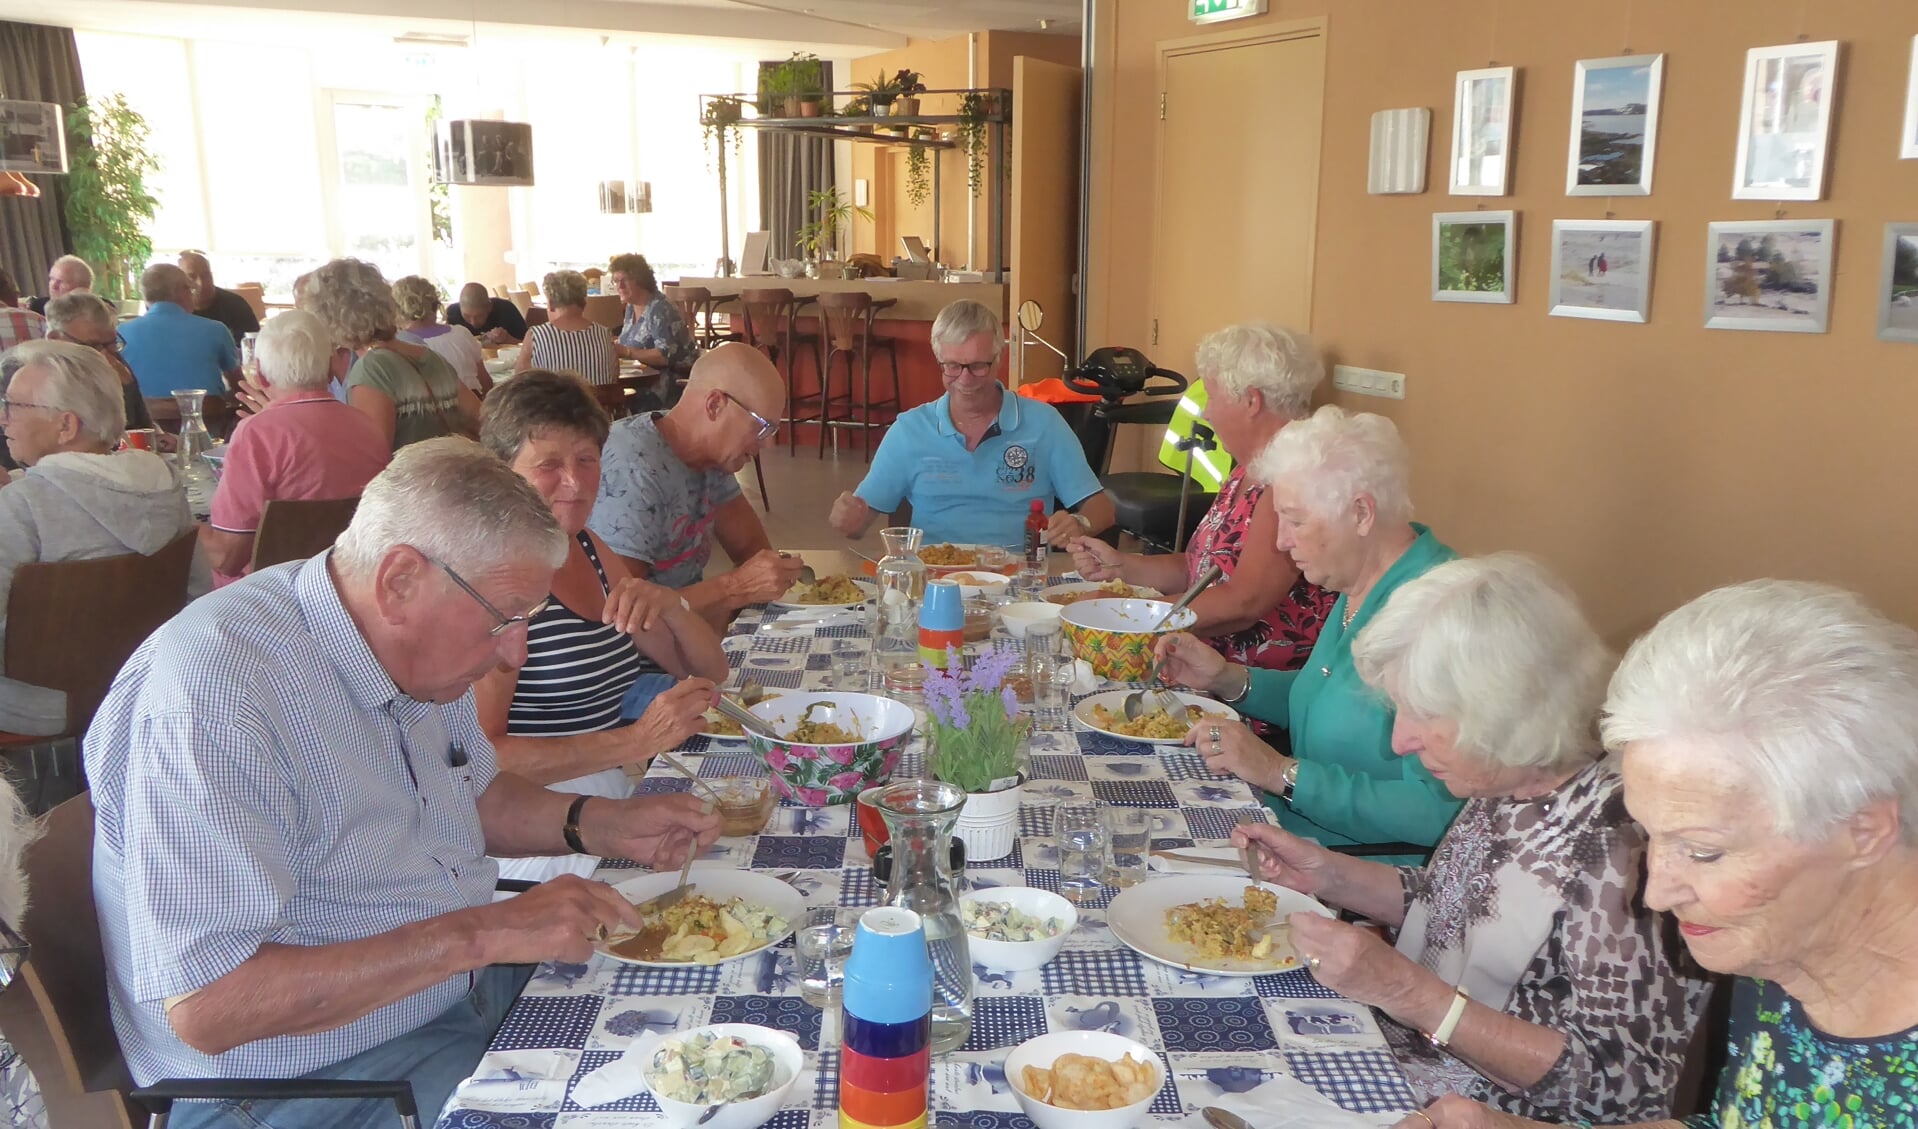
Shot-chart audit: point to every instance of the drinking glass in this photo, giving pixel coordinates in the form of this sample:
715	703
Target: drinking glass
850	661
1079	830
823	943
1128	842
1045	638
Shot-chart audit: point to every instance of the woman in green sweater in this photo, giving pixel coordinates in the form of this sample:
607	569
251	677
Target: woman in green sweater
1338	484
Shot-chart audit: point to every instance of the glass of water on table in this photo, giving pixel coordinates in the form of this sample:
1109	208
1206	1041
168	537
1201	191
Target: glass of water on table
1079	830
823	944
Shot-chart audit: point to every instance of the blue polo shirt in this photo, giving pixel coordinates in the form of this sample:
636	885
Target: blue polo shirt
169	348
981	496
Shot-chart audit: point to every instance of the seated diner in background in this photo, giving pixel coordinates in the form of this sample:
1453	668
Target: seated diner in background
408	391
1338	486
1263	612
419	305
215	304
66	274
495	321
668	491
1528	972
169	349
569	341
652	331
295	803
555	718
1767	735
85	319
79	498
972	461
304	445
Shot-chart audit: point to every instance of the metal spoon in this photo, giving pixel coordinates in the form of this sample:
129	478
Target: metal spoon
1223	1118
806	574
1141	702
747	720
679	766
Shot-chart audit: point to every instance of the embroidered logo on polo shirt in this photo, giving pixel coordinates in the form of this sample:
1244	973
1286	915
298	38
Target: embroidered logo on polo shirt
1018	469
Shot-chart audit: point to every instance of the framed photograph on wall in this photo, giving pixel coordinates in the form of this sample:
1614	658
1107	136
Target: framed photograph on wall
1614	125
1784	124
1898	294
1602	269
1772	275
1908	147
1474	256
1482	131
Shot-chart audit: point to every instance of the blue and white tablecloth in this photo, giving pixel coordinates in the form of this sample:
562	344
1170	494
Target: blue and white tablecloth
1218	1036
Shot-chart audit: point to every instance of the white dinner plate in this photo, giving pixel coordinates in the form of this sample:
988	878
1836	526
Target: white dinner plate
721	885
1114	700
1139	592
986	558
867	589
1137	918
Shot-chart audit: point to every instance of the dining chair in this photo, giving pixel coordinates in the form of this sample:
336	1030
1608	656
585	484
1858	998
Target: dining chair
294	529
57	1014
70	627
769	322
848	323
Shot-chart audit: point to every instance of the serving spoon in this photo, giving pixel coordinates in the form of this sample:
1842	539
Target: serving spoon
1141	702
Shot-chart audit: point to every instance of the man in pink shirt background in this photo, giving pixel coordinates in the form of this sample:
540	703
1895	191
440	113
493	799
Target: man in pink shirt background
305	445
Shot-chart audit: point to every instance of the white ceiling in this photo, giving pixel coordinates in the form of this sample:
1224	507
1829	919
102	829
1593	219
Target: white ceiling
833	28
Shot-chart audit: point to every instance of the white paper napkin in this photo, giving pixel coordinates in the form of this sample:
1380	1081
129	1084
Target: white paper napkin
518	1080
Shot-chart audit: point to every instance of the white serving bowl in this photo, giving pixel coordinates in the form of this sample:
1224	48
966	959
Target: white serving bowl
788	1062
1017	617
1020	956
974	583
1041	1052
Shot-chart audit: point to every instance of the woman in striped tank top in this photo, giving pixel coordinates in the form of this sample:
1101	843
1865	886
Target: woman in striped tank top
569	341
556	720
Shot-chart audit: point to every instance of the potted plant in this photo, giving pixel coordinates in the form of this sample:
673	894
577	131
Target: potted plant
787	88
906	103
918	175
880	93
107	202
974	109
977	741
819	239
719	116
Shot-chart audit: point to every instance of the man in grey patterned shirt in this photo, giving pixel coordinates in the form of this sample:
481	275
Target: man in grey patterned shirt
296	803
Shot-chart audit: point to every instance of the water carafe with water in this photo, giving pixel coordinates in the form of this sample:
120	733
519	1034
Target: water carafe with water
920	815
195	473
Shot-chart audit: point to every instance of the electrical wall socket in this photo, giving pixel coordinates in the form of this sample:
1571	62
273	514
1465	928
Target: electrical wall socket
1369	382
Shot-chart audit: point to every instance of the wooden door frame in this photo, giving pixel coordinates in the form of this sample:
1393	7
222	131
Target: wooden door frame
1311	28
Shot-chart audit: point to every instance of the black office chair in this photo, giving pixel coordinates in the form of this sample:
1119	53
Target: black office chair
1161	510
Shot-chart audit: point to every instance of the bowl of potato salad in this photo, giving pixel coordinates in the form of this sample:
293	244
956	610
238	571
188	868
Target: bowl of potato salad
1015	928
744	1069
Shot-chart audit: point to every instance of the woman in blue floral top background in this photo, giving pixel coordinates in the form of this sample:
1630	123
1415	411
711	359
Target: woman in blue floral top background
653	331
1767	734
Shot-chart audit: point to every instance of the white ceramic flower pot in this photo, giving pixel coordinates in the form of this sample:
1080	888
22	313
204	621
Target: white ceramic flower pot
989	824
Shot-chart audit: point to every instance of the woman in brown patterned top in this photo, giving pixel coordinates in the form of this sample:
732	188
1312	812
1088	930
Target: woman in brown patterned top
1528	972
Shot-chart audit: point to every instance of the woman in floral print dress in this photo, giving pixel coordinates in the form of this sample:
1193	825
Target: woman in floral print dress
1257	379
1767	734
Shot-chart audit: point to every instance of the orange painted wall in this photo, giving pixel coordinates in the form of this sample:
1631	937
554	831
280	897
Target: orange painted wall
1646	463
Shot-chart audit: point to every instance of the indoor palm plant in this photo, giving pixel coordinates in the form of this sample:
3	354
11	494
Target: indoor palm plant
819	238
976	739
880	93
108	205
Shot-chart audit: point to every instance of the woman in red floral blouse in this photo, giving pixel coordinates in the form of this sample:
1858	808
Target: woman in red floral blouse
1257	379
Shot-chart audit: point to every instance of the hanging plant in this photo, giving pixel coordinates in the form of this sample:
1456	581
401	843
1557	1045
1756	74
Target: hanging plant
108	205
719	118
918	175
973	109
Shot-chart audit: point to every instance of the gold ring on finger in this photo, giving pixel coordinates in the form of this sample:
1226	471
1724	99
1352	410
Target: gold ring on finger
1426	1116
599	932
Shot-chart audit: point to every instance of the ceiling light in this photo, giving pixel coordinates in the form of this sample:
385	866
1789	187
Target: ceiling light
429	39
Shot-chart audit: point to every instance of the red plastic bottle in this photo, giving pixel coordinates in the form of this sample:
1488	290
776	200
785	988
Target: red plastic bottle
1036	547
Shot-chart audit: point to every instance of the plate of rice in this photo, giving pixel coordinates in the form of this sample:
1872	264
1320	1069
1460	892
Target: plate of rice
1210	923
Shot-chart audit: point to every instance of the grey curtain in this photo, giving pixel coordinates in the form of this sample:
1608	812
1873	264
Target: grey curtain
790	166
38	64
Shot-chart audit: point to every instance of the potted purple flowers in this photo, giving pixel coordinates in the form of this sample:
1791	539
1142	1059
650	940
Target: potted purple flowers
977	741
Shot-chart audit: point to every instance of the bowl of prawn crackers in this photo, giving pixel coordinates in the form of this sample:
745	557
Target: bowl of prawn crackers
726	915
832	744
1084	1080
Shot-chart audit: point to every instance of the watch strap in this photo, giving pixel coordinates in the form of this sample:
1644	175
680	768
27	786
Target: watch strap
571	830
1442	1037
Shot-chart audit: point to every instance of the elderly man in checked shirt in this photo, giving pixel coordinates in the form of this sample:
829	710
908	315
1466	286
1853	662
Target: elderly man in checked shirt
296	803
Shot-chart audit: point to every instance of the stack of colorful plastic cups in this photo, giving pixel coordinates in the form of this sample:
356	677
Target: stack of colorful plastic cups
885	1065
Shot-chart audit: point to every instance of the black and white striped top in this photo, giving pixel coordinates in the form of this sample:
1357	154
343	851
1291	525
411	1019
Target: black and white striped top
577	670
586	353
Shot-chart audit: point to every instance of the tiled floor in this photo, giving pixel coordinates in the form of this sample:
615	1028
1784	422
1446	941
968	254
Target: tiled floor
803	487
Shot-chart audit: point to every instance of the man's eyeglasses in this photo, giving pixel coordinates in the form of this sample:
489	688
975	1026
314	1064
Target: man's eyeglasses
976	368
766	427
13	953
506	622
114	346
7	406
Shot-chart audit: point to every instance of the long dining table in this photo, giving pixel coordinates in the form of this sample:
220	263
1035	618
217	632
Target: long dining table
1219	1038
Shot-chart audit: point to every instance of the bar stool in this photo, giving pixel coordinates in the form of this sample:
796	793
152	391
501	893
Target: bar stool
848	319
698	306
770	323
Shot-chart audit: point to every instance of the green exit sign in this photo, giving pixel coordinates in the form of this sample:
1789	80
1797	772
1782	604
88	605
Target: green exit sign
1212	11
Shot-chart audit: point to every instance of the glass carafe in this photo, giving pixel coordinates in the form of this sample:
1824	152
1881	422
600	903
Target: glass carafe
920	815
902	587
195	475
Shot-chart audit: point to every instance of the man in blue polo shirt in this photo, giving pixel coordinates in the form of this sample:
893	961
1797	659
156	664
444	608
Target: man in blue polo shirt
972	461
168	348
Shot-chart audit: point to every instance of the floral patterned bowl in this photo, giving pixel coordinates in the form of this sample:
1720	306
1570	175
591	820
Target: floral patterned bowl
820	775
1115	636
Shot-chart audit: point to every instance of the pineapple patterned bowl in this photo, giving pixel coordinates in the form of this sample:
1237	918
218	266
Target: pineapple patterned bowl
1115	636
